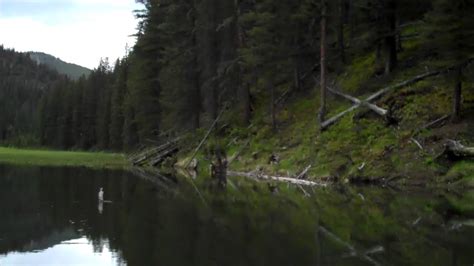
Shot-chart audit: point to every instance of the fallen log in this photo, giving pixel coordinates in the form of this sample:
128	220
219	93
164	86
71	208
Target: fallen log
435	122
455	149
141	157
403	84
352	250
305	171
206	136
329	122
380	111
378	94
417	143
237	154
150	153
290	180
163	155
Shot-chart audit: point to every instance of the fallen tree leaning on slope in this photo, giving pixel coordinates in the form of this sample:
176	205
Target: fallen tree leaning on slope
376	95
385	90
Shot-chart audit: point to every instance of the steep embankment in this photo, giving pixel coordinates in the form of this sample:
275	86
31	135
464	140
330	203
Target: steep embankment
363	146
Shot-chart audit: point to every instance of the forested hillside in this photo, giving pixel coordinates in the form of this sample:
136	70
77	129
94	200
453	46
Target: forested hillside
22	84
273	73
73	71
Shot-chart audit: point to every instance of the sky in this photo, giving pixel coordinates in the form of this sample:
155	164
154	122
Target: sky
77	31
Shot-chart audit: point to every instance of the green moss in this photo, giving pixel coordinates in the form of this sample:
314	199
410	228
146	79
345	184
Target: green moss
462	173
358	73
463	205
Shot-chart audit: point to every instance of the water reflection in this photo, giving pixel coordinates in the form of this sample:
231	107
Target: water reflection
53	215
100	207
69	252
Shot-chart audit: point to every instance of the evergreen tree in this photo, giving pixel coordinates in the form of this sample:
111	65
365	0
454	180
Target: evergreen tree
143	81
452	35
119	90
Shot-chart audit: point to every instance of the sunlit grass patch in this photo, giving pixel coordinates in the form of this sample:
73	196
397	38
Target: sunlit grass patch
62	158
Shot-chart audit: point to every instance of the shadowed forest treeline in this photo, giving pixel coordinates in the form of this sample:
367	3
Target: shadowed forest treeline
195	57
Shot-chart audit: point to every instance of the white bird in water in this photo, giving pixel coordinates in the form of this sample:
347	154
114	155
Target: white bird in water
101	195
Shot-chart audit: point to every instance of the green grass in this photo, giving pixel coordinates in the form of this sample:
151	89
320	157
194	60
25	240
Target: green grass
462	173
62	158
361	145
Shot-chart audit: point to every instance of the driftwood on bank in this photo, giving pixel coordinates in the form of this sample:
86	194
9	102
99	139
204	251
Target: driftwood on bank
378	94
259	176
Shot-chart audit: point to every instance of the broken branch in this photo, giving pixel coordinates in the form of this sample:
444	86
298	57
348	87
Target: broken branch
302	174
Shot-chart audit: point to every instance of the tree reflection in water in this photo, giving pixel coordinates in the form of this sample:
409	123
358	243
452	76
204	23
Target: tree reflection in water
247	225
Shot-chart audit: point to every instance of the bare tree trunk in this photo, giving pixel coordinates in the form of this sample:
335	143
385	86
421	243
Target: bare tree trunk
219	167
391	39
457	94
350	18
340	38
195	74
322	110
399	35
272	106
244	87
246	112
378	56
213	101
213	58
297	77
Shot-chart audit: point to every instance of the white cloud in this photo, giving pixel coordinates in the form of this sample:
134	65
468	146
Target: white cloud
83	38
80	2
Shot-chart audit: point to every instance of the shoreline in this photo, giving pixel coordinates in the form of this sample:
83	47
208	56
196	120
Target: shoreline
36	157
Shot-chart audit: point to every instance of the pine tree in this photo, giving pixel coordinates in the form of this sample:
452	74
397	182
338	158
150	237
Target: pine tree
452	35
119	89
143	80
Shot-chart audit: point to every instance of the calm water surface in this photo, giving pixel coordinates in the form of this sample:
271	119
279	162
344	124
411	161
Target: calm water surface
51	216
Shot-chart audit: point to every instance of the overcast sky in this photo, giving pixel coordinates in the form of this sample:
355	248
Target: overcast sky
77	31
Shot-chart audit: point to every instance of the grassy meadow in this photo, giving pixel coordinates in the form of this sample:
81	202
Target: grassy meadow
62	158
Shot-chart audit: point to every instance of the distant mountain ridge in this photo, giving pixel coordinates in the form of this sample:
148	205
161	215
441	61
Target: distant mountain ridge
71	70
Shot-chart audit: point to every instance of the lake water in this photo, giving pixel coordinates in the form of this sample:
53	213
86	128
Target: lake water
51	216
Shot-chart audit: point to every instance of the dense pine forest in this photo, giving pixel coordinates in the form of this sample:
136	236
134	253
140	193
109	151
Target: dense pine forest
274	71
